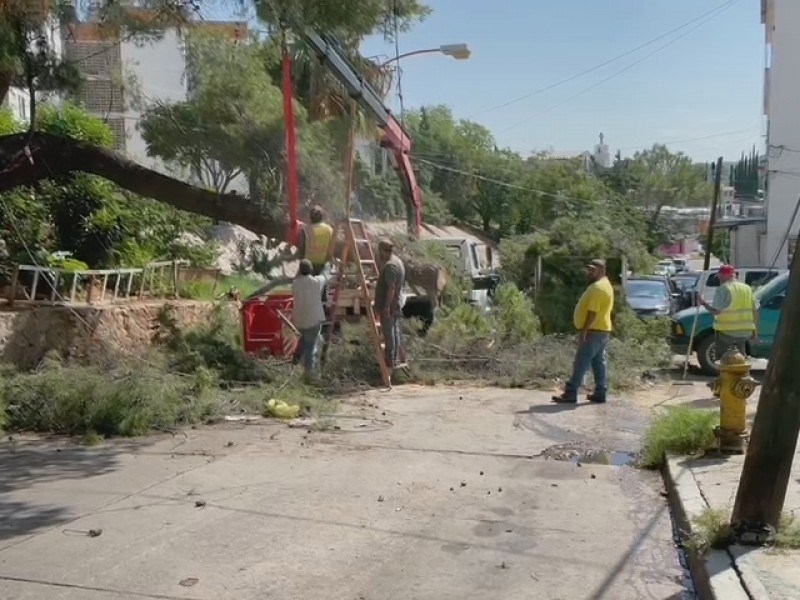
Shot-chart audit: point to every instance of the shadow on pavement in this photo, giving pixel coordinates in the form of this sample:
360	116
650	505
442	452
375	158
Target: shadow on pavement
547	409
26	464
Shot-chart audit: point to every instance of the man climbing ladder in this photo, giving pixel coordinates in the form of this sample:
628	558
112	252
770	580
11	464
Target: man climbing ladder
315	243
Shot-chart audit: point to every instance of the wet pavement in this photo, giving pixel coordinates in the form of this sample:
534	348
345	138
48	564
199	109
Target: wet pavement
422	493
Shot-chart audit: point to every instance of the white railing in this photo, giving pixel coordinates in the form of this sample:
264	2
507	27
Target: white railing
62	286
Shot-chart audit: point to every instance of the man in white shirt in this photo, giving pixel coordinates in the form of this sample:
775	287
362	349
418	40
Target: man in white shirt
308	313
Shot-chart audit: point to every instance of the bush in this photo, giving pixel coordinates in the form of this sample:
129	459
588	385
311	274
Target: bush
78	399
214	346
678	430
515	315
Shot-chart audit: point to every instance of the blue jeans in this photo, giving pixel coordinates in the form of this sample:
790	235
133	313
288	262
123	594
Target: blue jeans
307	348
590	354
391	339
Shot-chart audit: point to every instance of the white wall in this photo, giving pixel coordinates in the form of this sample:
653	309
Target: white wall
783	106
158	70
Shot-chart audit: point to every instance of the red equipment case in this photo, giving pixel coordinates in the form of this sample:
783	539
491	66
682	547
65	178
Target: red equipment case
263	329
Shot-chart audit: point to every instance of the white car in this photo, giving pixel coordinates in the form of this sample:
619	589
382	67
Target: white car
665	268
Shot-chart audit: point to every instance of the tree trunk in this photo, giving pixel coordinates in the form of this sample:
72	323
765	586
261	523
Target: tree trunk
54	156
5	83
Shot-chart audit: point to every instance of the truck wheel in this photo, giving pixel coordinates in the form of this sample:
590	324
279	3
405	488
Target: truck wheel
707	354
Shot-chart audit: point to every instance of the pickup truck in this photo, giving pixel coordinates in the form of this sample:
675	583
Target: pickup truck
770	298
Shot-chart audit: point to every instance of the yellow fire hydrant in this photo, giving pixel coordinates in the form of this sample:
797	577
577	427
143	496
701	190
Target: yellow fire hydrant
734	387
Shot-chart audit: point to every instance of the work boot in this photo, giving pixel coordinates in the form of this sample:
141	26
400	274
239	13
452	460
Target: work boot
565	398
596	398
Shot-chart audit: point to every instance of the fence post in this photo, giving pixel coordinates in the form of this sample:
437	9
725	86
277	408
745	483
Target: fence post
105	285
130	285
116	285
175	270
141	287
35	284
73	288
54	287
90	293
14	285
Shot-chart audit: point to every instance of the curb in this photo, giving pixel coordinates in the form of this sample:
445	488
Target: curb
716	575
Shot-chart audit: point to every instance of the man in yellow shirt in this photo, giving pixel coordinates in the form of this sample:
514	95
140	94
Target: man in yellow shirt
592	319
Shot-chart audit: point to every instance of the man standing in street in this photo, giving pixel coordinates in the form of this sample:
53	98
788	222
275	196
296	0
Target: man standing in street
315	243
592	319
308	313
387	300
735	313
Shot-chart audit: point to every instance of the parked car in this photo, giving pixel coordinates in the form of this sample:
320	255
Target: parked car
651	296
770	298
665	268
685	283
681	264
752	276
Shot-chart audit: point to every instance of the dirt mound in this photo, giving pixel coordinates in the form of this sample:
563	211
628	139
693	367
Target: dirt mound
96	334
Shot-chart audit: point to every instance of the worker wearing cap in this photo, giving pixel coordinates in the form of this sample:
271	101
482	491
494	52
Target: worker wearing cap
735	312
592	319
387	300
315	243
308	313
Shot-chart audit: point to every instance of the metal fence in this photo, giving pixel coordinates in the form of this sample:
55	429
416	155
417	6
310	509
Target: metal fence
46	285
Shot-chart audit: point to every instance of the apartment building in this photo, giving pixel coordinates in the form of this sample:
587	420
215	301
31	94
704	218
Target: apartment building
124	75
781	19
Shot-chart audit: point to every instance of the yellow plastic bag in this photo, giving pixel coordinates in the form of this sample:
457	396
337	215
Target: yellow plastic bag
280	410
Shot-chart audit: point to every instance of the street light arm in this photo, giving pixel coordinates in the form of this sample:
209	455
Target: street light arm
457	51
407	54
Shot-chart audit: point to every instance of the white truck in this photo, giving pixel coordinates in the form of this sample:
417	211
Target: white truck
475	260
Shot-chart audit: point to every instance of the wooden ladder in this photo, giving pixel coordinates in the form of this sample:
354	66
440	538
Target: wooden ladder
357	244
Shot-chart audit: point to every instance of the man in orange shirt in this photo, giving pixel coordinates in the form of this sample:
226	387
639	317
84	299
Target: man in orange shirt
592	319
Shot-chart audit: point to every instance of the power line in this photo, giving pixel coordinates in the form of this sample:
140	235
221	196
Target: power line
603	64
621	71
695	139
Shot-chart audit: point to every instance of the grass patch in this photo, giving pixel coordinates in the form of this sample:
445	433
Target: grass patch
711	529
678	430
213	290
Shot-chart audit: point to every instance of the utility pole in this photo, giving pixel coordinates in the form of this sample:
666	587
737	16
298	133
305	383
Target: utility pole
768	462
713	217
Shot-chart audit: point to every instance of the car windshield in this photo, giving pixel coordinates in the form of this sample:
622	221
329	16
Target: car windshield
769	289
685	283
642	288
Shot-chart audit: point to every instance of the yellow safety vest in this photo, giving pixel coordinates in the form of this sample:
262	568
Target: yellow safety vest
318	239
739	314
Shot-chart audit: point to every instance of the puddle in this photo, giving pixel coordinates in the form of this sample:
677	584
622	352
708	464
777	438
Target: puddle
577	453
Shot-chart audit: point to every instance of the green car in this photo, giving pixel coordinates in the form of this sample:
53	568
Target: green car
770	298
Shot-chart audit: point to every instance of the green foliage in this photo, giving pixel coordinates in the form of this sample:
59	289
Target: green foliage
68	120
213	347
679	430
515	315
78	399
90	217
210	290
721	245
710	529
8	124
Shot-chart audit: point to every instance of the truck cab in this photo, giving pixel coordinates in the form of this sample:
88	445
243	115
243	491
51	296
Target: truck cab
770	298
474	260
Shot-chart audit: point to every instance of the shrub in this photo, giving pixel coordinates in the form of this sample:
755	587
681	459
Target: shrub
680	430
214	346
79	399
514	315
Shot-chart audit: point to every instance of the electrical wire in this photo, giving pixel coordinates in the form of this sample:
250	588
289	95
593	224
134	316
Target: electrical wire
618	72
695	139
397	61
603	64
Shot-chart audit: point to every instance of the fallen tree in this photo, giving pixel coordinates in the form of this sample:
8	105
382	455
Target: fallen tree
27	159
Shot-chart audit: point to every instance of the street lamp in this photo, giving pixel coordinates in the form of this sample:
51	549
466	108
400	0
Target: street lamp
456	51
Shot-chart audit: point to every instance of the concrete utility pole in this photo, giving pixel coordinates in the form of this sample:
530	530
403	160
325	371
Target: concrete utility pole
712	219
767	465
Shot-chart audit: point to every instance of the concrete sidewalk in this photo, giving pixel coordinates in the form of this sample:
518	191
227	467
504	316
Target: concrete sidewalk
422	494
740	572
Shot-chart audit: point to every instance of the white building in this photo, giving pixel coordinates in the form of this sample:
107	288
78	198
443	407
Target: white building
781	19
18	99
602	155
124	76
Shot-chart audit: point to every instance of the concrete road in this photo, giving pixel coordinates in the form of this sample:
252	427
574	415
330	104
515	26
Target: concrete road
422	493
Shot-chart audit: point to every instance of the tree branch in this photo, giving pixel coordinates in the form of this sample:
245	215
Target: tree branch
54	156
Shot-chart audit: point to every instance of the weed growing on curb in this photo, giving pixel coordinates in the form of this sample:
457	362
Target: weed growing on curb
711	529
679	430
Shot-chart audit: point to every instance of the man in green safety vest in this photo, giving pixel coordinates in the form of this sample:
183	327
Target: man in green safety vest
735	313
315	242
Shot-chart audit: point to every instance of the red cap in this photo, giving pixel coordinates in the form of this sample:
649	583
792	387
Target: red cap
727	270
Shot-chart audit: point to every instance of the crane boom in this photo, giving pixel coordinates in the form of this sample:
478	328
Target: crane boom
395	137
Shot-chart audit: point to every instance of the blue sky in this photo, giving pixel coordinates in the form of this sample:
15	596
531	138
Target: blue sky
704	84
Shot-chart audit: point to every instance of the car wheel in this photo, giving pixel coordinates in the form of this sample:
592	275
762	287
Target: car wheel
706	350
